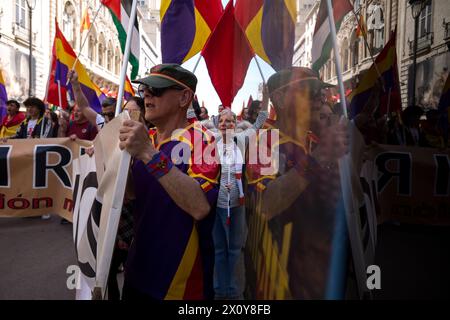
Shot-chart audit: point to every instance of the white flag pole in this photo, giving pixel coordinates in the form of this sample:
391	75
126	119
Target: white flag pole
351	205
126	57
109	238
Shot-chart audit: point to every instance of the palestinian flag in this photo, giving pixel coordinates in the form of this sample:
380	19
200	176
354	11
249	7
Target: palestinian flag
120	12
322	43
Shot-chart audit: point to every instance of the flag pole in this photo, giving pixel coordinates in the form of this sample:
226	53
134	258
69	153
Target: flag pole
84	41
106	251
196	64
260	70
126	57
336	58
59	93
347	207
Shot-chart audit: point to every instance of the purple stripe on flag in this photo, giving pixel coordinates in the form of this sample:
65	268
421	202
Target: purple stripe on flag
3	99
177	31
359	101
90	94
278	34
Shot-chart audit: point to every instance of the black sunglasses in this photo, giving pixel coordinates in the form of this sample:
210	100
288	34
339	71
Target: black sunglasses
156	92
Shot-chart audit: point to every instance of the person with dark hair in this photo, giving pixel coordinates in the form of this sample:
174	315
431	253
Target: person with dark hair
79	127
13	119
53	117
433	135
253	111
108	105
204	113
36	125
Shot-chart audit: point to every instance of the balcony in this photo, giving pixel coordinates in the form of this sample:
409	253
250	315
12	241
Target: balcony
423	43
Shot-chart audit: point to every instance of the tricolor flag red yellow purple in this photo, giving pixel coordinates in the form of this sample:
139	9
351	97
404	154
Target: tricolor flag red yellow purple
3	97
65	59
386	66
85	22
270	29
129	91
186	26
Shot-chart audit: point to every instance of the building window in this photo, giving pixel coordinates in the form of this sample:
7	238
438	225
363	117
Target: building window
116	61
375	27
344	55
109	62
91	48
425	21
68	26
21	10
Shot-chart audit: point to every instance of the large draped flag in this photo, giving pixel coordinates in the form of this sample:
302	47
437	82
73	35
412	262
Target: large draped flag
227	55
3	97
65	58
120	12
322	43
186	26
386	65
270	28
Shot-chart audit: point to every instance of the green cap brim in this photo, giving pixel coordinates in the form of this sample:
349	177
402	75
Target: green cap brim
155	81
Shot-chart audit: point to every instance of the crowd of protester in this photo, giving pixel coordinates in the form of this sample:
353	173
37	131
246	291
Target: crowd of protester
199	210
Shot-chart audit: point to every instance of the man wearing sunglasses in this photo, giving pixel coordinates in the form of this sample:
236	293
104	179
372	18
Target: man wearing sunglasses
299	199
172	254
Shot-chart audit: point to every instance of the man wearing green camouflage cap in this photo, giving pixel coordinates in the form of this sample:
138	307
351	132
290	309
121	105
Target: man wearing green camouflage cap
172	255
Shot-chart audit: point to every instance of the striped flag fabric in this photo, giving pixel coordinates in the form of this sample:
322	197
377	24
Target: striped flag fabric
3	97
65	58
85	22
186	26
322	43
120	11
386	63
129	91
270	28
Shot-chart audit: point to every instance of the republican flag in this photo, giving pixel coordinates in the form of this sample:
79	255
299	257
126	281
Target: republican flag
129	91
85	22
186	26
227	55
386	63
270	28
53	95
322	43
120	12
65	58
3	97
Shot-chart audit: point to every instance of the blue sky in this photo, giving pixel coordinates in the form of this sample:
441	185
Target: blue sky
207	93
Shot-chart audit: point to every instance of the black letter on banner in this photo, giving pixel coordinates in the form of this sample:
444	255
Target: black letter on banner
41	167
442	174
403	173
4	166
